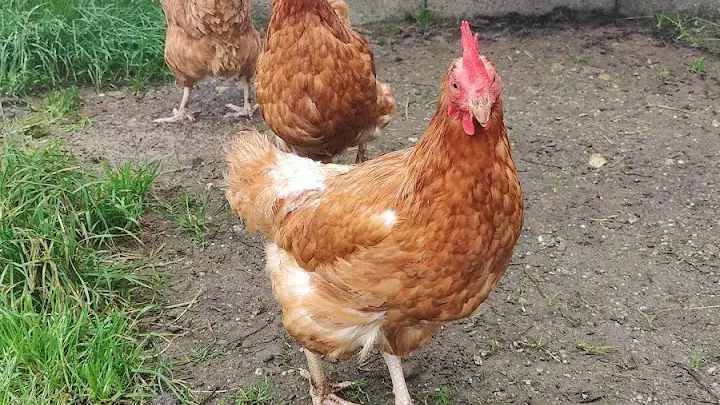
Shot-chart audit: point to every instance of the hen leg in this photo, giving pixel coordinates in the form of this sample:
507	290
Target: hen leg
321	392
181	113
361	154
247	109
402	396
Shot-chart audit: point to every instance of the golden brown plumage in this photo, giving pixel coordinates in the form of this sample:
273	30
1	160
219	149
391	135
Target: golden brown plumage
384	252
315	80
210	37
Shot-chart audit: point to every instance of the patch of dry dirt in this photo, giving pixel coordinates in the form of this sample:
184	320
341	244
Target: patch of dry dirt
625	256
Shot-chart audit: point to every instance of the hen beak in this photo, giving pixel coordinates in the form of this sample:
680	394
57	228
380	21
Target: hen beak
480	109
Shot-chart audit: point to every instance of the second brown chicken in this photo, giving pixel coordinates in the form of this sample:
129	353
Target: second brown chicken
315	81
210	38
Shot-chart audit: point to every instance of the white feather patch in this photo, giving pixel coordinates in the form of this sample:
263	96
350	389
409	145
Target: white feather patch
363	336
389	218
294	278
294	175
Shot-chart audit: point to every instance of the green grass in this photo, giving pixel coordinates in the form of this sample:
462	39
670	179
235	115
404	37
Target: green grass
580	58
45	44
698	65
258	394
190	213
423	19
703	356
648	318
56	107
693	31
441	396
695	361
474	320
68	355
556	185
71	286
594	349
356	393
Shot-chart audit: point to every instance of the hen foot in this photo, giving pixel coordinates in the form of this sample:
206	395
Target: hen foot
329	397
361	154
178	115
402	396
246	111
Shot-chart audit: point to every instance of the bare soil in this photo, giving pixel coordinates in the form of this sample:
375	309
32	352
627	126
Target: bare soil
624	259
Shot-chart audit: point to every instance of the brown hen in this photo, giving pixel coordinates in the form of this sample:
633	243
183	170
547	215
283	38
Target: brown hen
385	252
315	81
210	37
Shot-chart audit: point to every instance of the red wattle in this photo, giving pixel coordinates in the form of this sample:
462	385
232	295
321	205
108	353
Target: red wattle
468	123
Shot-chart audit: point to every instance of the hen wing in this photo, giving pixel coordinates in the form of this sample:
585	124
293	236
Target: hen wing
355	212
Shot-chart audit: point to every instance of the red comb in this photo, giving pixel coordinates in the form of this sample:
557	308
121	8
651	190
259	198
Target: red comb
471	57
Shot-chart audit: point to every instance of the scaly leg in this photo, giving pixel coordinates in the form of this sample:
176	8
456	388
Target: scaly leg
402	396
181	113
361	154
246	110
321	392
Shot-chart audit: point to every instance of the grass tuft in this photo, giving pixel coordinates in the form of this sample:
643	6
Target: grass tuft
356	392
190	214
69	285
594	349
45	44
580	58
441	396
693	31
424	16
698	65
695	361
56	107
258	394
54	216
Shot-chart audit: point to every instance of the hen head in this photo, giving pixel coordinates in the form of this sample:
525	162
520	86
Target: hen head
473	85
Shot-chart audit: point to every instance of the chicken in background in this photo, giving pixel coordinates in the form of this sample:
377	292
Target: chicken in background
210	37
385	252
315	81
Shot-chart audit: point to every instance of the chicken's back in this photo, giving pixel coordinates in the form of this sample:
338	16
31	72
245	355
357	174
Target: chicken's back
210	37
315	81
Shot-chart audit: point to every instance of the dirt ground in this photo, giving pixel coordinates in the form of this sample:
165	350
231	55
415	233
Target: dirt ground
623	261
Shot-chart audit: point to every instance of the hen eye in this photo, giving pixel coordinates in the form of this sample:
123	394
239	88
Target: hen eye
494	78
455	86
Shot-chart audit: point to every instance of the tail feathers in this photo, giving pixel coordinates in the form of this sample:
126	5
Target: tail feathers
250	162
265	183
387	106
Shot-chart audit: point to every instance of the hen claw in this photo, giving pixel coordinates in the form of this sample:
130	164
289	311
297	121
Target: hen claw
329	398
178	115
245	111
361	154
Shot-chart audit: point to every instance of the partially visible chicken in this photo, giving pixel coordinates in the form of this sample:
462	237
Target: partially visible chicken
210	37
385	252
315	81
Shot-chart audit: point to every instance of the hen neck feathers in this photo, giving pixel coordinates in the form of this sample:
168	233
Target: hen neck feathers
445	153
